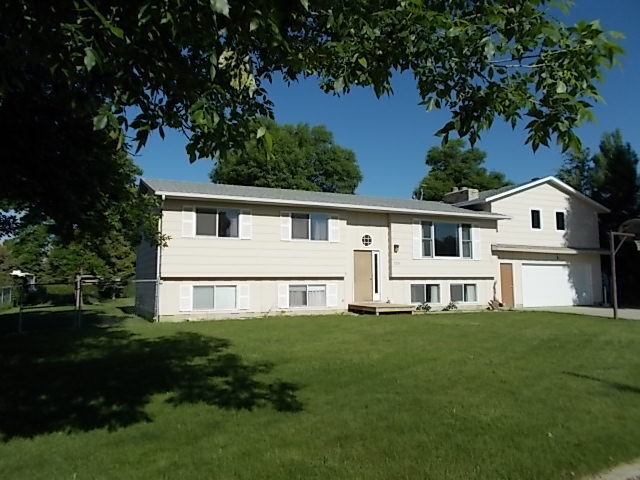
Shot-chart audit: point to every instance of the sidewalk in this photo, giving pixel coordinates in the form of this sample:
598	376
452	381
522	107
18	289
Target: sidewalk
626	313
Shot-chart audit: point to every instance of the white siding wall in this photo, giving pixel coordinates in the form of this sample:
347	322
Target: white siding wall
264	255
263	298
517	259
581	219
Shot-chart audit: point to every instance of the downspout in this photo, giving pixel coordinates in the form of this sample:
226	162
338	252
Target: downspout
156	306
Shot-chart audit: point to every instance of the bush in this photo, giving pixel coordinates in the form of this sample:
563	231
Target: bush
423	307
450	307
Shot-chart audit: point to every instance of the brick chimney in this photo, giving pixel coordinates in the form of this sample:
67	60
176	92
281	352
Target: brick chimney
462	194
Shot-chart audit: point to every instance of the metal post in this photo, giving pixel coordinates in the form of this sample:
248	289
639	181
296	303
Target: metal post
20	301
78	301
614	283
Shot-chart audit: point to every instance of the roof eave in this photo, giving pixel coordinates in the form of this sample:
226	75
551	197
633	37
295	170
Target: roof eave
340	206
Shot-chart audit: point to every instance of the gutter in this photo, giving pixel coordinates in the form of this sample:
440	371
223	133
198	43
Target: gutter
340	206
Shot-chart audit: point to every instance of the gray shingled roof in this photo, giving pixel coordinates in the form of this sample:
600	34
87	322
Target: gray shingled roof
484	194
300	196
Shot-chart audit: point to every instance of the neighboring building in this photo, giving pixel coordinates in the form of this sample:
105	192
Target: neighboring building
243	251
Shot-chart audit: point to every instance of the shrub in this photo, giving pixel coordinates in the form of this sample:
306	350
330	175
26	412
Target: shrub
450	307
423	307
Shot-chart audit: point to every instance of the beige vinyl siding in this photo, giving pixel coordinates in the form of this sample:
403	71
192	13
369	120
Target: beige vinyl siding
581	220
265	254
401	291
263	298
404	265
146	269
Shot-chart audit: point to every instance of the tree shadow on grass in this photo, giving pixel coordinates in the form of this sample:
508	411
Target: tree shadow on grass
104	378
623	387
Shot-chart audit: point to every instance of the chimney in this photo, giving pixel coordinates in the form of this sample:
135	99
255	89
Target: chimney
462	194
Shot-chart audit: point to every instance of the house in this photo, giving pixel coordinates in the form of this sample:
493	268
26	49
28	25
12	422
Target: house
243	251
549	249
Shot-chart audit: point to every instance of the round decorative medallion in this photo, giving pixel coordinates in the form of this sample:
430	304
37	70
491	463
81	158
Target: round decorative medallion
366	240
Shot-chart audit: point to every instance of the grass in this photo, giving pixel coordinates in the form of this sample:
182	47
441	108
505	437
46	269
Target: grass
508	395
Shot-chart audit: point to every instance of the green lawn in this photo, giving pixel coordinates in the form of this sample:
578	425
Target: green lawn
444	396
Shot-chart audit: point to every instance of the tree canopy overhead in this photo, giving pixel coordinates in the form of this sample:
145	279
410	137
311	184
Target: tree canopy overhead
304	158
117	70
452	166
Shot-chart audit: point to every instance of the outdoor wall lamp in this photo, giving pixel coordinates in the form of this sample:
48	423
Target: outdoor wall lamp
396	247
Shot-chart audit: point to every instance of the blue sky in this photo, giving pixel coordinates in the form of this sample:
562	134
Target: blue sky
390	136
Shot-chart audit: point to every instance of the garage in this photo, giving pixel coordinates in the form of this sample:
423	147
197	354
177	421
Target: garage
556	284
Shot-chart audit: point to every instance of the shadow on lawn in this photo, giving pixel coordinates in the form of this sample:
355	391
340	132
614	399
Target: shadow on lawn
623	387
104	378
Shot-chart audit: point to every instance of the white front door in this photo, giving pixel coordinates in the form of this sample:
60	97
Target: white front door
556	284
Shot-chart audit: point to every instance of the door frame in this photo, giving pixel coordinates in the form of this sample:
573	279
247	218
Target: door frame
376	284
502	285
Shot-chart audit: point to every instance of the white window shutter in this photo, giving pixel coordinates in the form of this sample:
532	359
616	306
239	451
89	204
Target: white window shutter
334	229
285	225
332	295
243	296
477	245
417	238
186	297
188	221
283	295
246	225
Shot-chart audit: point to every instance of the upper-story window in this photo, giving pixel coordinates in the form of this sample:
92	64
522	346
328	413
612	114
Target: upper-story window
536	220
442	239
217	222
309	226
560	221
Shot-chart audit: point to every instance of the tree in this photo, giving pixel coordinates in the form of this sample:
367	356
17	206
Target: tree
610	176
304	158
80	77
577	171
451	166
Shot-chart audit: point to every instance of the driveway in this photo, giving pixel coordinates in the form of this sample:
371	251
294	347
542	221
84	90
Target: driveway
627	313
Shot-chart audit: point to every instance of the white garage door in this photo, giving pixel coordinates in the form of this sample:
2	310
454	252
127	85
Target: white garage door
553	284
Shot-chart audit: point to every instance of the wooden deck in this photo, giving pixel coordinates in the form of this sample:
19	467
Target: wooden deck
380	307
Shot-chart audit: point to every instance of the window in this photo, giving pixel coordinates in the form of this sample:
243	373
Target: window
218	297
306	226
221	222
427	242
206	221
560	221
307	295
467	243
425	293
366	240
464	292
440	239
536	222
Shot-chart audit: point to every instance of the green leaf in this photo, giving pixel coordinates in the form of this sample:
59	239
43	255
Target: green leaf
220	6
100	121
561	87
261	131
305	4
89	58
338	84
362	61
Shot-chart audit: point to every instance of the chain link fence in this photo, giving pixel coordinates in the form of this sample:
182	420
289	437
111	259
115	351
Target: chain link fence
62	305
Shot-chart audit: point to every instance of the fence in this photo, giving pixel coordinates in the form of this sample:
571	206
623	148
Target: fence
62	305
6	297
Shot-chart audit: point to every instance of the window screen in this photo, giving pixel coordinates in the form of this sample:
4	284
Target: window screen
467	241
203	298
427	243
466	292
316	296
560	223
297	295
205	221
428	293
300	226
